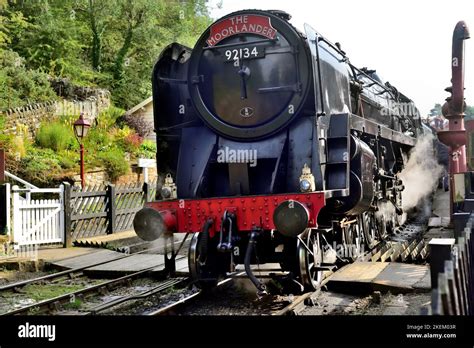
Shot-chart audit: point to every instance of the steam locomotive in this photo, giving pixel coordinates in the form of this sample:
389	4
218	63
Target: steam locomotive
276	149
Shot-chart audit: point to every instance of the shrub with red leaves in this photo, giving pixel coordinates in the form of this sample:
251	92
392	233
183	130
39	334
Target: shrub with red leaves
133	142
139	124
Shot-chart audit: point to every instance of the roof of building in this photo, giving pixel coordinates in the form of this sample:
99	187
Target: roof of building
140	105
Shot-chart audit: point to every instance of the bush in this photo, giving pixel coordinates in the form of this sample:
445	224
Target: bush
114	163
147	149
132	143
54	136
6	140
19	85
109	117
40	166
66	162
139	124
98	140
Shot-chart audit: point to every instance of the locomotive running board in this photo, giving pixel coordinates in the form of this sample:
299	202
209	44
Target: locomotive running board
370	127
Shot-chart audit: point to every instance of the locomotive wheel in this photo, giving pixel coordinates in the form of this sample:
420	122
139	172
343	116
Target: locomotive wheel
381	224
205	270
310	259
352	240
368	225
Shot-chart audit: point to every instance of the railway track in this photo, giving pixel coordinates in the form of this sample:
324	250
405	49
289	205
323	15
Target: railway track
405	245
173	308
70	273
51	304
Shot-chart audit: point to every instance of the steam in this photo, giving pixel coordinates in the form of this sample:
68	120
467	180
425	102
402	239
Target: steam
421	173
385	209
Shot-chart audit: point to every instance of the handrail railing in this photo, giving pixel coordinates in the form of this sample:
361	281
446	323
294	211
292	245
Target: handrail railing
21	181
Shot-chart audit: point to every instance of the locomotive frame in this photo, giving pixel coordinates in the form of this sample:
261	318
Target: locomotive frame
332	139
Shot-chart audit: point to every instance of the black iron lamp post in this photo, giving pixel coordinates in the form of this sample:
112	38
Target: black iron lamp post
81	127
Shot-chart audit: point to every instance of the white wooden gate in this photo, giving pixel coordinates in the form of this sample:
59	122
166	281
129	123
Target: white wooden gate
38	221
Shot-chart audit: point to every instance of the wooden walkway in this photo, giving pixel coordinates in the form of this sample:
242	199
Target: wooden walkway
365	277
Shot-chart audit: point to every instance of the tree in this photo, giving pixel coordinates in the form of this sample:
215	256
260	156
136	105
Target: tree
97	15
436	110
469	112
110	44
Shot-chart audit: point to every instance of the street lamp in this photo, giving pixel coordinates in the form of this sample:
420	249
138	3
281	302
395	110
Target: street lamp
81	127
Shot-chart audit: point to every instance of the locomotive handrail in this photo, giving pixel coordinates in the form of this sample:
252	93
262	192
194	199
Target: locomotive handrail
322	112
371	78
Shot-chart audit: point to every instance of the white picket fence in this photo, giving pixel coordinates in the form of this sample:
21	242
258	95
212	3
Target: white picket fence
37	221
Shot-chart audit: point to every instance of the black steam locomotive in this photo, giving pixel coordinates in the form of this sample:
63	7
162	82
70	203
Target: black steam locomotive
276	149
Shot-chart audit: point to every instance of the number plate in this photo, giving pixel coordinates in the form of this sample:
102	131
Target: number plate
235	54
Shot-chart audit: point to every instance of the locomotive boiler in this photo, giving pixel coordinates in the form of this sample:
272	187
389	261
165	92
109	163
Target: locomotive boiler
275	149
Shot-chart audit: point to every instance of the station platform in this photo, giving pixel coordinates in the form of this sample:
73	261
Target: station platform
109	237
366	277
32	257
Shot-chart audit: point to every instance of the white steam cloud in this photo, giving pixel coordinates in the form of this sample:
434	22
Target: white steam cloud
421	173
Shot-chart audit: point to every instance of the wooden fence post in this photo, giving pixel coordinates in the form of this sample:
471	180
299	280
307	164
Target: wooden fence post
440	251
67	215
111	209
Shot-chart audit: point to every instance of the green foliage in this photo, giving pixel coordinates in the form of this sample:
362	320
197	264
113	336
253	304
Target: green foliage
55	136
436	110
39	166
114	163
19	85
469	112
108	117
111	44
147	149
5	139
40	292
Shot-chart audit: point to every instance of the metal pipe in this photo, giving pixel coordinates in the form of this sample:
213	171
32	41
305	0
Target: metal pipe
455	137
262	289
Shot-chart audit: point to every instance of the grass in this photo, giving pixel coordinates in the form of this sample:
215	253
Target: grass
76	304
44	292
55	136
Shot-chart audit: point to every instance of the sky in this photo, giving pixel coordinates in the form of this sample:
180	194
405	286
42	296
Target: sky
408	42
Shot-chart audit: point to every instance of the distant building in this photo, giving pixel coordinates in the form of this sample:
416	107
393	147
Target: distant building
145	110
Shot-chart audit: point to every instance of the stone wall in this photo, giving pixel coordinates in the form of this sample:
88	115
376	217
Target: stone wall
28	118
99	177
